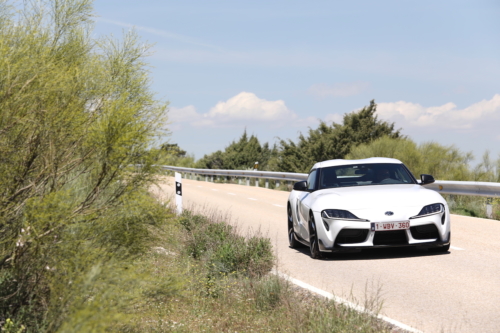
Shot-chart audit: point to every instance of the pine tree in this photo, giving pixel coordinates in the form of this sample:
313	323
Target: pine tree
241	154
335	141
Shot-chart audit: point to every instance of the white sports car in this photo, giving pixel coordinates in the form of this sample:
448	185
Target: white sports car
376	202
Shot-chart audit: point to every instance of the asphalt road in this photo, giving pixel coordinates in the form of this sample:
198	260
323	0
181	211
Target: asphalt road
457	291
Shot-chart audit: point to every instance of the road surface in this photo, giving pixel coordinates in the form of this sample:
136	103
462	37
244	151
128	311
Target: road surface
457	291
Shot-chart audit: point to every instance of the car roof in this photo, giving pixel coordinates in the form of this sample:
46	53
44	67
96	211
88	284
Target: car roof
370	160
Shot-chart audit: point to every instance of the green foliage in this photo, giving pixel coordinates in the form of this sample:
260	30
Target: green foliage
443	162
270	293
11	327
241	154
172	154
487	170
224	251
221	301
75	114
335	141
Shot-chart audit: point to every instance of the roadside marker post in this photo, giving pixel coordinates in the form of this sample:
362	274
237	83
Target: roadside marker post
178	193
489	208
255	168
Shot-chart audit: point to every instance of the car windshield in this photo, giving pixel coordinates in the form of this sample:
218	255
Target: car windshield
364	174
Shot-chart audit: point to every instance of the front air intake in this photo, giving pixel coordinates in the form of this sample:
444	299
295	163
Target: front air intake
393	237
351	236
426	231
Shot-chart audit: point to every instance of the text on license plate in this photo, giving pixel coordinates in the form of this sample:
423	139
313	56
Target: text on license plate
382	226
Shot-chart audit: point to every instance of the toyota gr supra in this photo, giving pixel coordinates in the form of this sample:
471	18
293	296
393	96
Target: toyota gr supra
376	202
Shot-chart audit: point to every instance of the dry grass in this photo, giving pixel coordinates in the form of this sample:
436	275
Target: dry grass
231	290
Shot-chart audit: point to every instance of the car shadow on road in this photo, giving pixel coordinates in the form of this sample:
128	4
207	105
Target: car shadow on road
376	254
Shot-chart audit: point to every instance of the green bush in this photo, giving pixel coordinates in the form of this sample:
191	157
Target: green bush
444	163
76	114
270	292
218	245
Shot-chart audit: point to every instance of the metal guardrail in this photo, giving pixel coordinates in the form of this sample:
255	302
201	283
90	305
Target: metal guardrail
290	176
483	189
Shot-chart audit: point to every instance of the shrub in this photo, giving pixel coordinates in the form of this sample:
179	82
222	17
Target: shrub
75	114
219	246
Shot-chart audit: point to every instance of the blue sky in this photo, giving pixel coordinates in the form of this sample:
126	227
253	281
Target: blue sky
278	67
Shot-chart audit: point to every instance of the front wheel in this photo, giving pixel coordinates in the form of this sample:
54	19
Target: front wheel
291	233
313	239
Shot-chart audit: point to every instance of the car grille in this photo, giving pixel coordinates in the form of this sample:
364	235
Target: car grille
350	236
426	231
393	237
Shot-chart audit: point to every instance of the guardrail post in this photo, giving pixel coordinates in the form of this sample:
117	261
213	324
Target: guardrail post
267	183
212	178
256	182
489	208
239	180
277	183
248	181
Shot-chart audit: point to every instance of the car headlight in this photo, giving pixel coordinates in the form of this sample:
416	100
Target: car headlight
338	214
436	208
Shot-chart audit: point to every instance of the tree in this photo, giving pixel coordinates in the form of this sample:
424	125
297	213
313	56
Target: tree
76	115
173	149
335	141
241	154
443	162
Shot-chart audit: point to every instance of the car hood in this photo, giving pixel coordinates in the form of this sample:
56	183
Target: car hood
376	198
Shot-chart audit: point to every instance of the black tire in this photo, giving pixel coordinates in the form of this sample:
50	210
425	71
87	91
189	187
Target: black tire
291	233
313	239
441	249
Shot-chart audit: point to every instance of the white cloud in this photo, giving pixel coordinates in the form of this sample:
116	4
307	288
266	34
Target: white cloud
238	110
345	89
247	106
180	115
409	114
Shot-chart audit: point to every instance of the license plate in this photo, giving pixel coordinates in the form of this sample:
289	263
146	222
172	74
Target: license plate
385	226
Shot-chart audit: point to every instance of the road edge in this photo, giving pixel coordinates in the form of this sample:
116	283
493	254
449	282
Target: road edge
342	301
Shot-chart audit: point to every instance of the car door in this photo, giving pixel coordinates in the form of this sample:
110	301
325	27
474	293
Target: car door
304	204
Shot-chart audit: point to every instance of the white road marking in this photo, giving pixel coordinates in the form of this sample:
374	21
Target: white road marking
230	193
199	186
252	199
214	189
278	205
456	248
344	302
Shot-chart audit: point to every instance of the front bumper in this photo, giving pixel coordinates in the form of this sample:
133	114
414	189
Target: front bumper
356	247
346	236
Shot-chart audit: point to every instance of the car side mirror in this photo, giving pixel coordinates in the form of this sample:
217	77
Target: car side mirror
427	179
300	186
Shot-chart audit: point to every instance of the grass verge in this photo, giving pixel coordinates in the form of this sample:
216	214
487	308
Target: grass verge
226	287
